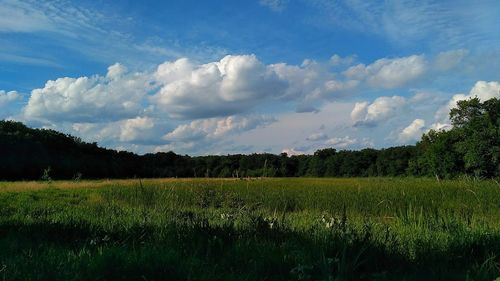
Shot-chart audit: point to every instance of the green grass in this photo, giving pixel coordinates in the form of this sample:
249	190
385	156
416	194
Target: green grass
262	229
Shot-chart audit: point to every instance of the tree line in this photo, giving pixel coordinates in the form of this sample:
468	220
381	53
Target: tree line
471	146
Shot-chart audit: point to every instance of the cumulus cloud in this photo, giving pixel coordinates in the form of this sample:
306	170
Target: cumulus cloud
233	84
216	128
211	136
186	105
116	71
303	80
126	107
6	100
112	97
182	89
389	73
142	130
8	97
413	132
359	112
132	129
381	109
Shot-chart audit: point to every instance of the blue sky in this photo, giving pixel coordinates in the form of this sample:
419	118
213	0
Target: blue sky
204	77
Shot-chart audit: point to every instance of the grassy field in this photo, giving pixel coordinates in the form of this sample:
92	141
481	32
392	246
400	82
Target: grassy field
261	229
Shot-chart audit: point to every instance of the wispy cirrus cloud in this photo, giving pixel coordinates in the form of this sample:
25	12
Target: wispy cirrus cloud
274	5
435	23
72	28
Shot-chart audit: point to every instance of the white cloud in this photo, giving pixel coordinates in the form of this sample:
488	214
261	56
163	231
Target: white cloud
132	129
485	90
389	73
359	112
381	109
90	99
216	128
274	5
8	97
233	84
123	108
413	132
116	71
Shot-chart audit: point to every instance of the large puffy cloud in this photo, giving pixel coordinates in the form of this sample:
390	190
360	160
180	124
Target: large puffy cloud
389	73
233	84
413	132
185	90
122	108
381	109
116	96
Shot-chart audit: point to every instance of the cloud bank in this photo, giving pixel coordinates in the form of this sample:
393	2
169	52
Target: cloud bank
185	106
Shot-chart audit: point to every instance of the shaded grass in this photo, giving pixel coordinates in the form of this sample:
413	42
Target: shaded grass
270	229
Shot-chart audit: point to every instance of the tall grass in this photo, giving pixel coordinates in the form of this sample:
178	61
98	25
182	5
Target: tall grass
261	229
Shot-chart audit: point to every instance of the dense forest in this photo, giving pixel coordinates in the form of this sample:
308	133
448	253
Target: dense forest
471	147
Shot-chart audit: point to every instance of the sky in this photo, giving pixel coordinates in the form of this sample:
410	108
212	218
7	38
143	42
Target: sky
226	77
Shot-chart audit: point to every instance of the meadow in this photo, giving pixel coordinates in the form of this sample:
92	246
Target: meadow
250	229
